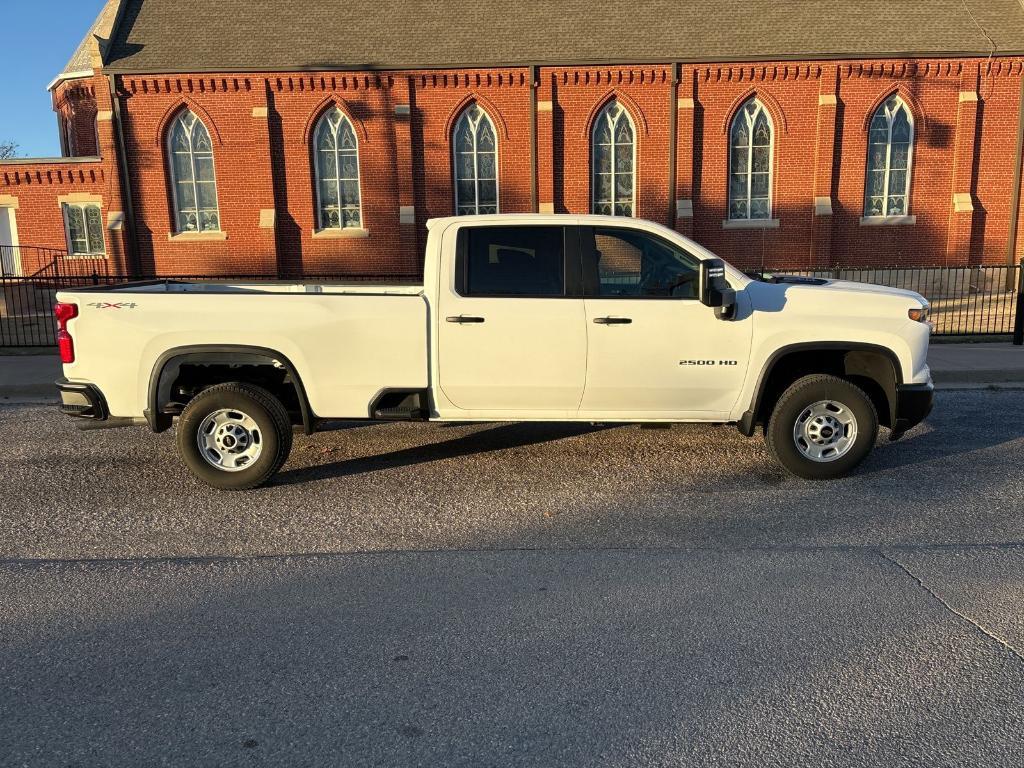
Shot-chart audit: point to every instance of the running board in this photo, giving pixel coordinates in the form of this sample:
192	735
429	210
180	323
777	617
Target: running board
400	405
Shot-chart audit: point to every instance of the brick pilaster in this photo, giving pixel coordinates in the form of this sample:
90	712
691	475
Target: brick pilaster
402	104
262	182
824	167
961	220
120	249
682	197
545	95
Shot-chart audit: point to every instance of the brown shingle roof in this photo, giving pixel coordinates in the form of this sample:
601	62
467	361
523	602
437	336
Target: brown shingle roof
207	35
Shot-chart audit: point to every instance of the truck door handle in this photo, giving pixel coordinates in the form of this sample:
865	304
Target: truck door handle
613	320
464	319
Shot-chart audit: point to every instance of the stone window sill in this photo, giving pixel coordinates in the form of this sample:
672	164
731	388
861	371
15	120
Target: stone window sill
750	224
886	221
195	237
335	233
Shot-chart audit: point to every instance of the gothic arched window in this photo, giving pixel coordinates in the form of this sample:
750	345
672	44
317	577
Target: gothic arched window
337	172
193	182
475	162
890	150
750	163
613	161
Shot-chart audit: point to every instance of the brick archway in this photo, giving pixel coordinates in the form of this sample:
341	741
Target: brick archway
486	104
172	113
917	113
637	114
326	104
769	102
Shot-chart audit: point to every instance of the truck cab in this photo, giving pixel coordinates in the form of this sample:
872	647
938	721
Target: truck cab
588	319
519	317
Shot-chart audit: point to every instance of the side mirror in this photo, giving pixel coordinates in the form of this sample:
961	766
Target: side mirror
714	289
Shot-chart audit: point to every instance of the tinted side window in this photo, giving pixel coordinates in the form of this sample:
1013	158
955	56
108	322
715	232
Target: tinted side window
515	261
633	263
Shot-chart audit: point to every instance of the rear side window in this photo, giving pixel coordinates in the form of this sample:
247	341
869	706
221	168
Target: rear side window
513	261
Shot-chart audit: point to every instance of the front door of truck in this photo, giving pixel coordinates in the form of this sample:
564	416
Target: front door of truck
654	349
510	325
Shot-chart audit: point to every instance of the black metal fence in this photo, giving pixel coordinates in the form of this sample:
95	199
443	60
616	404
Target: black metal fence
984	300
34	260
965	301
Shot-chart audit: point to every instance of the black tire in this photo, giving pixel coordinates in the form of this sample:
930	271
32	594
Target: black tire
274	433
794	405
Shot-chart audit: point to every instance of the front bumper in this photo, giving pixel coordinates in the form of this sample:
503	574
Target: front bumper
82	400
913	404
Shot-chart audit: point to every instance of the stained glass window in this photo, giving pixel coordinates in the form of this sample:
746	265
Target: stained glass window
475	162
890	147
337	171
192	176
84	224
612	158
750	163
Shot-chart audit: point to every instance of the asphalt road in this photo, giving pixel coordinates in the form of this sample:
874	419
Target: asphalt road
515	595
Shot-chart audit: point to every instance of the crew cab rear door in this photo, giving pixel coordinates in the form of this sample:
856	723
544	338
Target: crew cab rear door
655	351
510	321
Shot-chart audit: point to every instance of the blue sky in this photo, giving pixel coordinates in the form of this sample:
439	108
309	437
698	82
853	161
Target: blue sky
39	37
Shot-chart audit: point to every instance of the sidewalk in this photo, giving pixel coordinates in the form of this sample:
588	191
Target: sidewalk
979	364
29	377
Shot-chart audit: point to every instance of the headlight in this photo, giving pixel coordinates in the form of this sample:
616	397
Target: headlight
918	314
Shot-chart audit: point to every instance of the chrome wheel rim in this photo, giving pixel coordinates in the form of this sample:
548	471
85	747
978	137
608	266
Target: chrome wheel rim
229	440
825	431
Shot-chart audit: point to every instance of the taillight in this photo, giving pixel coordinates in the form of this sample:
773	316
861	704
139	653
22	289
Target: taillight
65	343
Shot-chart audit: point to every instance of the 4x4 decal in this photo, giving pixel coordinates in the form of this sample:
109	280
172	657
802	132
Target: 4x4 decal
110	305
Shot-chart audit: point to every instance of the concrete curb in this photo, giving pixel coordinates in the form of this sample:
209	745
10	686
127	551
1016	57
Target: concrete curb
29	377
36	399
1009	386
1000	376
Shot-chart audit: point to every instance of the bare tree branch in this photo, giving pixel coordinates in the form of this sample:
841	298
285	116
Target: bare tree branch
8	149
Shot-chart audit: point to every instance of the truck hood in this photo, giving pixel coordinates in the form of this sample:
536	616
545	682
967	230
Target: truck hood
823	286
823	298
851	287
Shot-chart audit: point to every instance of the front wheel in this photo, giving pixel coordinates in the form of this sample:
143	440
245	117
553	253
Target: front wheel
234	436
822	427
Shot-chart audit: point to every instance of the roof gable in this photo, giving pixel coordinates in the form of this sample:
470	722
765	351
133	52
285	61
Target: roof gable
81	59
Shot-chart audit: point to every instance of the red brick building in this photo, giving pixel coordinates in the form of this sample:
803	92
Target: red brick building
250	136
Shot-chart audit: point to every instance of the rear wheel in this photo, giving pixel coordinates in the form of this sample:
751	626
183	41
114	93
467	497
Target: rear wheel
822	427
234	436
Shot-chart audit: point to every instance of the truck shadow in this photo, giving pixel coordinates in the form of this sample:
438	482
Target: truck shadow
923	445
929	441
496	438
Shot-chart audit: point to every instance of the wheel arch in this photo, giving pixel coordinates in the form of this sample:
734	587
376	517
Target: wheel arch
168	367
873	367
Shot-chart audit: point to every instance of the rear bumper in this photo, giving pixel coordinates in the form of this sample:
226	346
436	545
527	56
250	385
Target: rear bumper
82	400
913	404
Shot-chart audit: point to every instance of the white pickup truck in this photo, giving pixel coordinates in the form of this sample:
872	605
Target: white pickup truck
519	318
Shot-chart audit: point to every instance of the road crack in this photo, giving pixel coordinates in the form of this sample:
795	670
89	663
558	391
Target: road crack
1006	644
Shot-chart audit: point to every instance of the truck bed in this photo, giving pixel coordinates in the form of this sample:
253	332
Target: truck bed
347	341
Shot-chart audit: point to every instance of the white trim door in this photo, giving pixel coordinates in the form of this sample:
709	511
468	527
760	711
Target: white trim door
9	250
